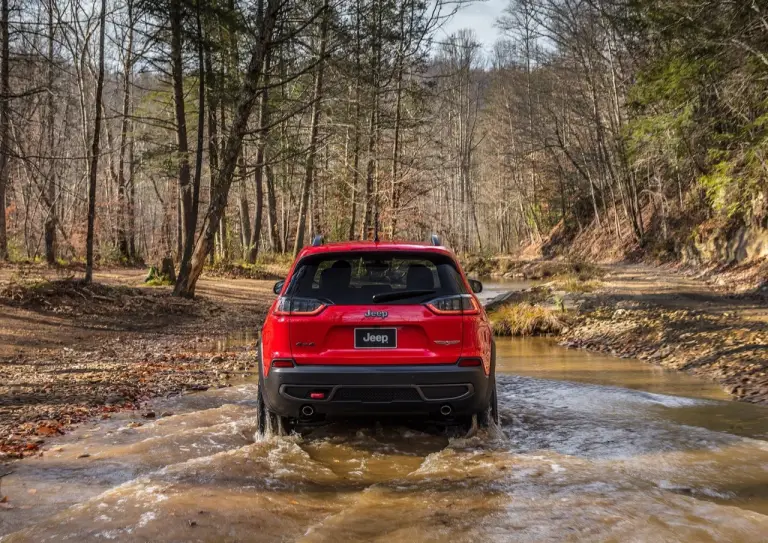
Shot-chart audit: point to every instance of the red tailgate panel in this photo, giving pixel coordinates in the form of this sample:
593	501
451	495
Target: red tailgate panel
422	336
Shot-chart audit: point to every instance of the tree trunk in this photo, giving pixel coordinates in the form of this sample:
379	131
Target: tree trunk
125	126
49	227
258	175
274	231
369	171
248	93
355	168
395	189
356	145
5	91
394	196
213	134
187	213
257	220
312	151
132	200
370	208
95	149
191	203
245	212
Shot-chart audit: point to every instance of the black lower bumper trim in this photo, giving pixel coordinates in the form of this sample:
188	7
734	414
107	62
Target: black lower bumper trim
371	390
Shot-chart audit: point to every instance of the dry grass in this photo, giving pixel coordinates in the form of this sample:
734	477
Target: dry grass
574	284
527	320
243	270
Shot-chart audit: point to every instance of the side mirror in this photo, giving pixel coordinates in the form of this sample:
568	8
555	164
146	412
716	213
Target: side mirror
476	286
278	286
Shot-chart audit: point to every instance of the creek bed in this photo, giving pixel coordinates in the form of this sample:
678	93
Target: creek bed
590	448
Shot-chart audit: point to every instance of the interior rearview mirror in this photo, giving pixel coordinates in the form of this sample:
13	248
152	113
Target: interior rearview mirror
278	286
476	286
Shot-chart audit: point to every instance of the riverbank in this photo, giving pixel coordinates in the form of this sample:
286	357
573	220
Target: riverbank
680	323
70	352
677	321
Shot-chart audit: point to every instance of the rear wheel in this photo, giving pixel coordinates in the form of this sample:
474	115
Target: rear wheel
490	417
268	422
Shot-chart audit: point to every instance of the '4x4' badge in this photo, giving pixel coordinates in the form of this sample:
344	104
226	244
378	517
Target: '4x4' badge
376	314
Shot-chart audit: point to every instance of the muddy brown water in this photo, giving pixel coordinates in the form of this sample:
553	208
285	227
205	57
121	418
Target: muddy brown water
590	448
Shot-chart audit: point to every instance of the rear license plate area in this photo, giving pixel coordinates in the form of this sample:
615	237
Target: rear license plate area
375	338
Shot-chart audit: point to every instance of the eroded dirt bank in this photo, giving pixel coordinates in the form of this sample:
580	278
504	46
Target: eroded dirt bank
70	352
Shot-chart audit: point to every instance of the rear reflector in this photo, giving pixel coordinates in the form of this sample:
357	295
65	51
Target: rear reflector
470	363
317	395
282	363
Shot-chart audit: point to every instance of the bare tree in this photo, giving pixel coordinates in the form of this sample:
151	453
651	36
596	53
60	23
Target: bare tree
5	142
95	147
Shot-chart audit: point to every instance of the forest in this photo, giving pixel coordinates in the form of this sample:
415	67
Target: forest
220	130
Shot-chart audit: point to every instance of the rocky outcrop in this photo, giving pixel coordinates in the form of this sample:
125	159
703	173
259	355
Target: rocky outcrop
726	247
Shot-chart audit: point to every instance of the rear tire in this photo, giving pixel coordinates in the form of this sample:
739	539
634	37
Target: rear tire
268	422
490	417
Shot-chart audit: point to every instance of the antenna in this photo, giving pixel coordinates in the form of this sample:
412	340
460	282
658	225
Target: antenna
317	241
435	240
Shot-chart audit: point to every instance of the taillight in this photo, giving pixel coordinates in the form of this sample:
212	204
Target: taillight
298	306
463	304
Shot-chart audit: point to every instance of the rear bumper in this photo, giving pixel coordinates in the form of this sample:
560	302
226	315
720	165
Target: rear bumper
377	390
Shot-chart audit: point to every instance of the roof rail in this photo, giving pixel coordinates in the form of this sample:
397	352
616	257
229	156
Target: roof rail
317	241
436	240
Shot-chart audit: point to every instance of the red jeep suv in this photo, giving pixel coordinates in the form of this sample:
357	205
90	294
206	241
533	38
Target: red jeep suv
376	328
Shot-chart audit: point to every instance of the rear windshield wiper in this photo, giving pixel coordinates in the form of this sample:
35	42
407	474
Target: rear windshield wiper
401	295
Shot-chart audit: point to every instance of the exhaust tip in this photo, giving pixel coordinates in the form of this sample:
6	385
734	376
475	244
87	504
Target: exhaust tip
307	410
446	410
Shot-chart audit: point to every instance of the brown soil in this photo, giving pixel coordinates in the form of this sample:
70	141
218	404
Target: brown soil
69	352
679	322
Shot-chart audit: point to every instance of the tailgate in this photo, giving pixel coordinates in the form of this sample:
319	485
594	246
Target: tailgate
421	336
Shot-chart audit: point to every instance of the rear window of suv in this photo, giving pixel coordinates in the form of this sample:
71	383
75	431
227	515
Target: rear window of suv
376	277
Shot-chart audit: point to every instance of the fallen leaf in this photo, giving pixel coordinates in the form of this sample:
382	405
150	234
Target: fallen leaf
32	491
48	430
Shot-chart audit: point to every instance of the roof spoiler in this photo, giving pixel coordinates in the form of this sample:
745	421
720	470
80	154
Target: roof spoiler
436	240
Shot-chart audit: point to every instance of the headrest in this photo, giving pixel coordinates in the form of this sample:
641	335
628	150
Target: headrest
338	275
419	277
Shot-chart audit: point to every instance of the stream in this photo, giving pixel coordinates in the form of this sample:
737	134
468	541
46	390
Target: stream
590	447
